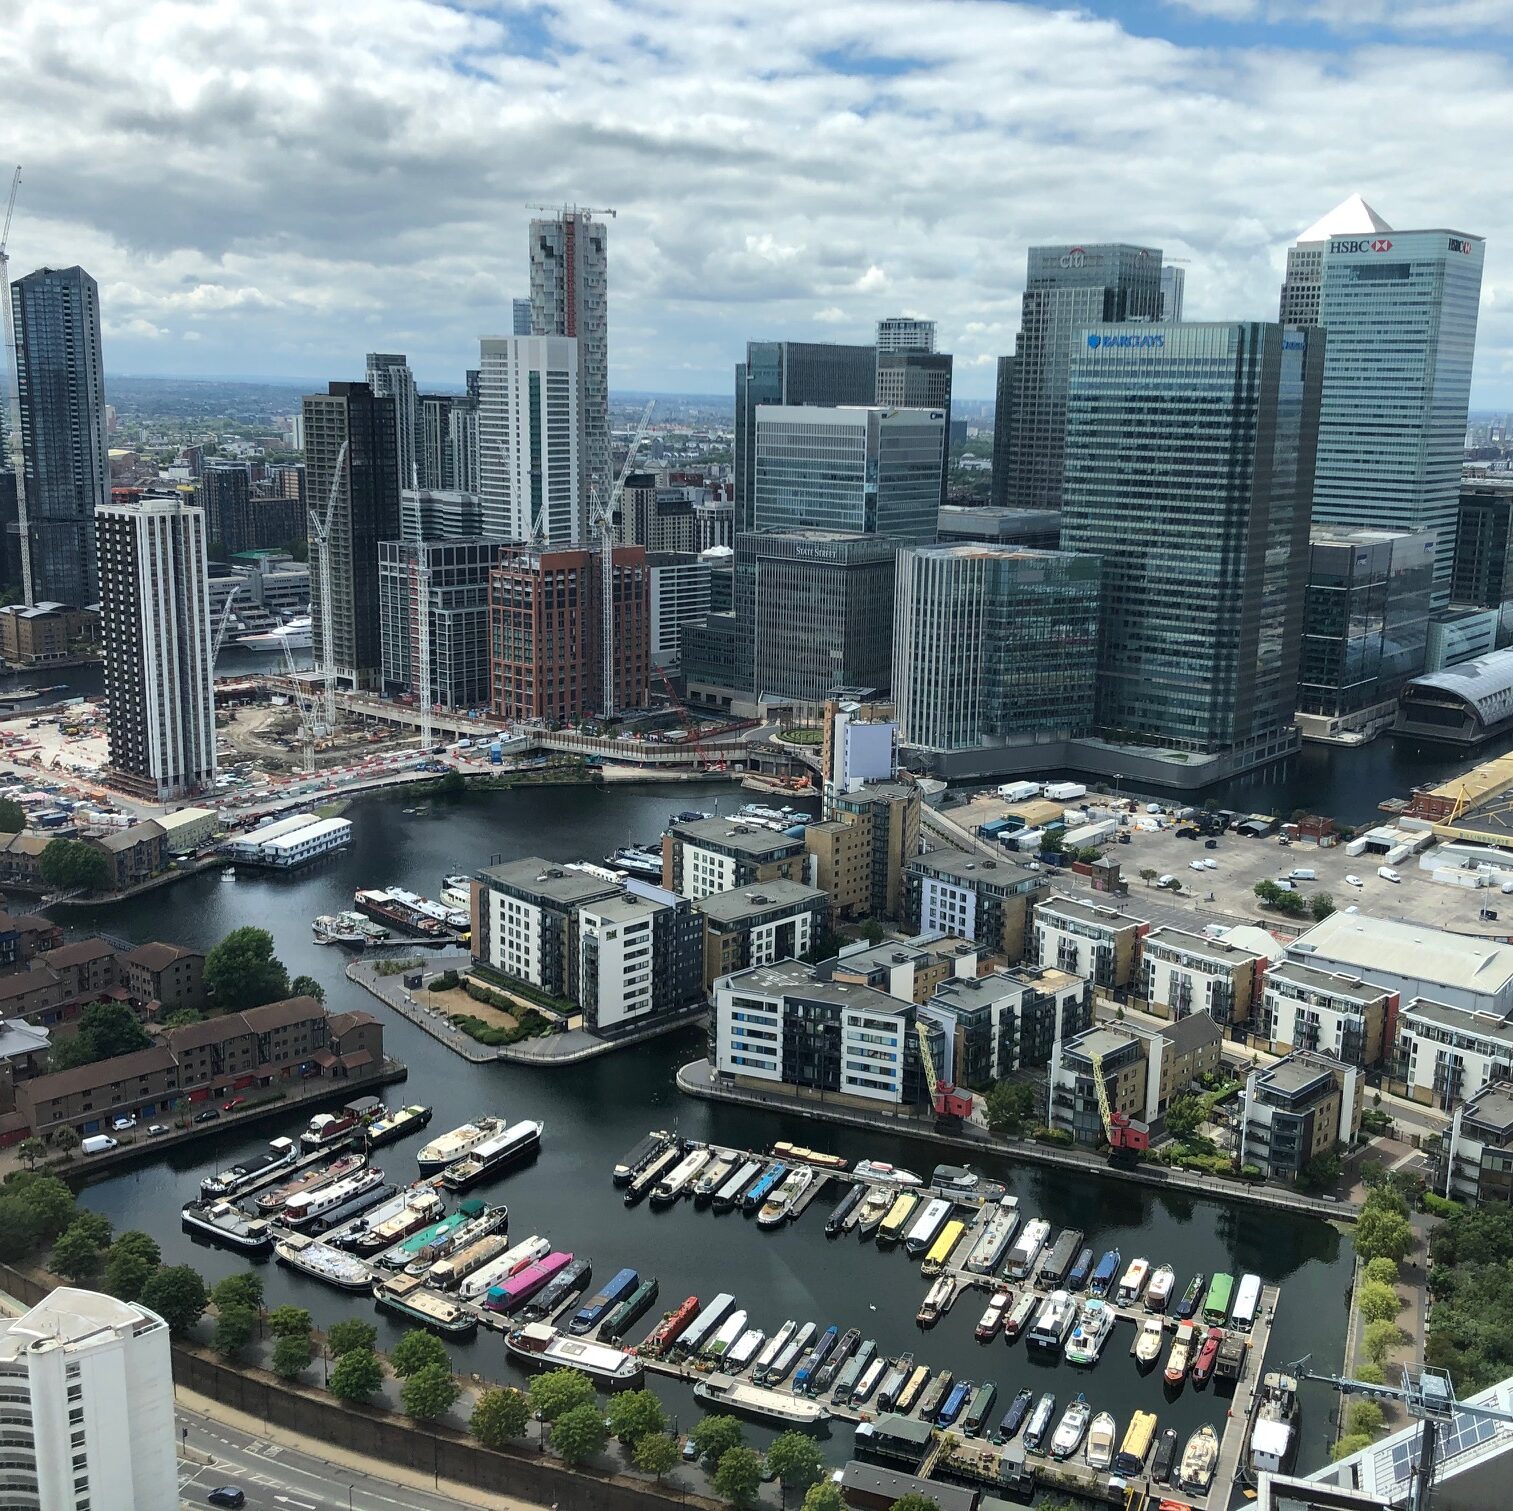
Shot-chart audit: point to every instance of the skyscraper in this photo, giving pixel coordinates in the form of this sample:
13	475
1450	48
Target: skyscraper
918	380
521	311
792	372
1400	310
226	495
156	635
1172	282
859	468
530	464
66	477
433	462
903	333
389	376
350	443
1189	468
1066	288
1003	430
1303	289
570	297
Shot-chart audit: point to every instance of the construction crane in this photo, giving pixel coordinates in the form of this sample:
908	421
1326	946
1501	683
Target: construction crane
602	523
10	431
571	210
1126	1138
222	625
320	543
950	1105
1428	1395
304	705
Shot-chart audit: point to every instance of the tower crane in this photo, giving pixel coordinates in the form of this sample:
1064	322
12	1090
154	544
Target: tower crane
304	706
602	523
222	625
572	210
950	1105
320	541
422	600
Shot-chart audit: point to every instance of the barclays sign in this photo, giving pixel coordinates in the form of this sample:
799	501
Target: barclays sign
1147	342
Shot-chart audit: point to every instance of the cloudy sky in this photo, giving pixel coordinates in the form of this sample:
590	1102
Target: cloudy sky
274	187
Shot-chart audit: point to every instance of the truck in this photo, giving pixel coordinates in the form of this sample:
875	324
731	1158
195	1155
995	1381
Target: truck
1064	792
98	1143
1017	792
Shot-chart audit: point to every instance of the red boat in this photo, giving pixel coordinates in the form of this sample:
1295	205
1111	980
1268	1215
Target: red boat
1204	1365
328	1128
668	1330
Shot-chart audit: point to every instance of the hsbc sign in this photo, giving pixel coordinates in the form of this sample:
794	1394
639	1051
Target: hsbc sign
1378	244
1457	245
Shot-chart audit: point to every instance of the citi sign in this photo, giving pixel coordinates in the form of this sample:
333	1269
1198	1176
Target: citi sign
1148	342
1380	244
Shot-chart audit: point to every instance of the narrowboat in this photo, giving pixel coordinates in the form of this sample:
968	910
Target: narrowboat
1038	1428
603	1301
514	1259
639	1156
631	1310
1105	1272
1191	1298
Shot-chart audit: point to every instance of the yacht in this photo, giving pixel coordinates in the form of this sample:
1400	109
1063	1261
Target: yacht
461	1140
1158	1293
1132	1282
297	634
1067	1438
1100	1441
1052	1322
1149	1340
1094	1324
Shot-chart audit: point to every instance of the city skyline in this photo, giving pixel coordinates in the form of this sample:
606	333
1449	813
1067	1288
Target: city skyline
213	256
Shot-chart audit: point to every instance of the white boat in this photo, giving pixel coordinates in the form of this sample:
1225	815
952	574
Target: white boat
1158	1293
226	1223
1101	1435
992	1316
511	1262
1133	1282
1026	1251
1148	1344
745	1348
1052	1322
281	1152
1069	1430
724	1393
881	1170
297	633
342	1198
461	1140
924	1229
996	1236
726	1336
680	1177
457	891
775	1345
1198	1459
1094	1323
493	1155
540	1343
322	1262
382	1227
937	1301
777	1208
861	1392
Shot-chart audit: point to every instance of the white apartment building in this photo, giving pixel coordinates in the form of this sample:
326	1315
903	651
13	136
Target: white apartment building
1099	944
1328	1011
617	976
86	1407
679	596
1184	973
905	333
525	921
1446	1054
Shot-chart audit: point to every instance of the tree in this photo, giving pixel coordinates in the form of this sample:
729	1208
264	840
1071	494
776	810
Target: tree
69	865
873	931
46	1197
1348	1445
580	1433
1363	1417
94	1226
1009	1105
1372	1374
429	1392
307	986
357	1376
106	1029
1321	905
292	1355
125	1275
655	1453
343	1337
453	784
234	1327
242	970
289	1322
795	1460
738	1475
76	1256
635	1413
1380	1339
182	1017
141	1244
177	1294
825	1496
1377	1302
12	816
244	1289
498	1416
560	1391
1384	1271
31	1150
715	1436
20	1231
1381	1233
64	1140
1148	874
1321	1173
1184	1115
916	1503
418	1350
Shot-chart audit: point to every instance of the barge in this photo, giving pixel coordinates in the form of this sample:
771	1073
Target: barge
408	1296
542	1346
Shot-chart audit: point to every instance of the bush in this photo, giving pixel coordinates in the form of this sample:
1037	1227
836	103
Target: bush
1440	1206
1372	1374
445	982
1009	1106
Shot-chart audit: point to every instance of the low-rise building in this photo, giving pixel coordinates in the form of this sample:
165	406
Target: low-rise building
85	969
1475	1159
165	974
1184	973
24	936
47	633
1446	1054
639	957
1296	1109
188	829
34	993
988	901
135	854
1005	1021
720	854
21	858
1337	1014
1143	1069
758	925
861	850
1097	943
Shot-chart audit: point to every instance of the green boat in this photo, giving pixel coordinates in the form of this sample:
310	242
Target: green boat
1216	1303
633	1307
411	1249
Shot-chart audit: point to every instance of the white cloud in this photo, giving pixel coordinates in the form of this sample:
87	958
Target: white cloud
297	189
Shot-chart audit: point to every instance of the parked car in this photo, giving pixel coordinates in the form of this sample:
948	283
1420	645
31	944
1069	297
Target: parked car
233	1104
156	1130
690	1452
121	1124
1353	880
226	1495
1209	865
1210	844
209	1115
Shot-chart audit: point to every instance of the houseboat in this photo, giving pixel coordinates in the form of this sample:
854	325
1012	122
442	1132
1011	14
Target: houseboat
721	1392
512	1294
836	1222
926	1227
328	1129
937	1301
323	1262
1192	1298
542	1346
711	1314
499	1269
408	1296
440	1152
1019	1318
1181	1356
493	1156
1148	1341
671	1327
1216	1302
776	1209
875	1206
642	1182
1247	1303
1058	1263
1132	1283
603	1301
1038	1427
390	1127
1027	1249
329	1205
997	1233
716	1173
763	1186
895	1224
1158	1293
383	1227
273	1201
729	1194
677	1181
1137	1443
1052	1322
466	1260
1105	1272
568	1282
640	1156
225	1223
1199	1458
280	1153
630	1311
788	1356
992	1316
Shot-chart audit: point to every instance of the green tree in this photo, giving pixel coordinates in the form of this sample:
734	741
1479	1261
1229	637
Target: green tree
1321	1173
106	1029
1380	1338
717	1435
1384	1271
418	1350
1381	1233
453	784
655	1453
499	1415
143	1245
343	1337
20	1230
76	1256
1363	1417
125	1275
307	986
292	1355
12	816
47	1198
289	1322
1348	1445
69	865
1009	1105
1378	1302
825	1496
916	1503
177	1294
1321	905
738	1475
31	1150
64	1140
95	1226
635	1413
1372	1374
357	1376
559	1391
429	1392
795	1460
182	1017
234	1327
580	1433
244	1289
1184	1115
242	970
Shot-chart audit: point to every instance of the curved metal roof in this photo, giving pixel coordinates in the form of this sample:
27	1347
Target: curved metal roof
1485	683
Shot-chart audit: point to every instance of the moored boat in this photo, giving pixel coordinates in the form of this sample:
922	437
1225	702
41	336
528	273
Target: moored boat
382	1227
1027	1249
1274	1435
1094	1323
1132	1282
640	1155
715	1174
874	1207
328	1129
499	1269
1052	1322
1013	1418
1037	1428
1100	1441
955	1402
774	1211
839	1357
271	1202
671	1327
328	1205
1159	1292
788	1355
466	1260
803	1379
603	1301
1105	1273
729	1195
323	1262
881	1170
1019	1318
224	1222
1067	1438
476	1221
895	1377
452	1145
762	1187
892	1227
997	1233
1164	1459
935	1395
836	1222
859	1362
676	1183
926	1226
649	1174
744	1350
512	1294
408	1296
992	1316
723	1392
1148	1343
541	1345
981	1407
774	1346
437	1233
937	1301
1082	1268
1208	1352
725	1336
493	1156
1180	1357
393	1126
1191	1298
861	1392
1198	1459
568	1282
631	1310
280	1153
711	1314
913	1389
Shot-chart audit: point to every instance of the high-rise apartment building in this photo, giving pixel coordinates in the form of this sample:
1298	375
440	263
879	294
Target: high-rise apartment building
389	376
791	372
1066	288
226	494
570	297
529	439
433	460
461	463
903	333
430	514
1189	467
1172	282
350	443
156	635
86	1401
520	311
1483	576
857	468
65	475
994	645
546	623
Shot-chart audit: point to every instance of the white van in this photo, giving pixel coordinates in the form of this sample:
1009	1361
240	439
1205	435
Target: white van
1387	873
1303	873
98	1143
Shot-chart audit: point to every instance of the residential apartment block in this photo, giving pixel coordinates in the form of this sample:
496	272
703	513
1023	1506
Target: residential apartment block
639	956
1005	1021
1099	944
868	836
1475	1159
1330	1012
1184	973
1446	1054
1297	1109
760	925
987	901
719	854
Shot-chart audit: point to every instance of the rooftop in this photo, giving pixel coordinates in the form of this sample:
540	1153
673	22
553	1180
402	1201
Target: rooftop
545	878
132	1067
1336	983
970	870
126	839
1366	944
1086	912
1459	1020
1199	945
70	1318
1490	1108
794	978
730	834
1195	1031
78	953
1296	1073
1105	1040
625	908
762	897
1351	217
157	956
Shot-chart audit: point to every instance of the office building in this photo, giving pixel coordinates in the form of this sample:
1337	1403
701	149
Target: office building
520	310
1182	973
1189	466
525	921
389	377
1296	1109
760	925
61	391
919	380
640	956
430	514
679	597
903	333
87	1385
1483	572
861	847
1365	626
1003	431
994	645
711	855
851	467
791	372
530	461
1400	310
448	580
12	579
1331	1012
1066	289
156	635
570	298
1303	286
350	448
1172	281
1099	944
546	628
814	612
713	524
962	894
1039	529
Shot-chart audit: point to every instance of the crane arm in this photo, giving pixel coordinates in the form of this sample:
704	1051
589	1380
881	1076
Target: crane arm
223	625
10	209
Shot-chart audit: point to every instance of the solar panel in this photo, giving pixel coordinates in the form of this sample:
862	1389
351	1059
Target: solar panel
1392	1464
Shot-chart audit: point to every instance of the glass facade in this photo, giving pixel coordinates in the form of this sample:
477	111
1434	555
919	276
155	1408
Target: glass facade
1189	466
1483	575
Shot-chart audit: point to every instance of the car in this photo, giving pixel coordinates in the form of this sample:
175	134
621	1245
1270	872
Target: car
1388	874
156	1130
1165	881
690	1452
226	1495
233	1104
121	1124
1209	865
209	1115
1210	844
1352	880
1195	865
